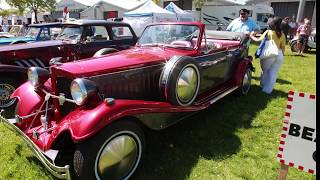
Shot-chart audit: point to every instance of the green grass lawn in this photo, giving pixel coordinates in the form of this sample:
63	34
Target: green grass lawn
236	138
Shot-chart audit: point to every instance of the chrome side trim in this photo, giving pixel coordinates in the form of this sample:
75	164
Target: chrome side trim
59	172
223	94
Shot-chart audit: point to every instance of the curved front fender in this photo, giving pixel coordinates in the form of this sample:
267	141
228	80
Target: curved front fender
28	101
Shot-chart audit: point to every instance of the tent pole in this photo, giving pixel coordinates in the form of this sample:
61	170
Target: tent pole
302	5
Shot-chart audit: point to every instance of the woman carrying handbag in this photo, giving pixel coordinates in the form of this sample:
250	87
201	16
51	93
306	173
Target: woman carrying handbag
270	53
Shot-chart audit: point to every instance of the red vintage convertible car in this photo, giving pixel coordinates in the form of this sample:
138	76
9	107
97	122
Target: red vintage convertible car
94	110
77	40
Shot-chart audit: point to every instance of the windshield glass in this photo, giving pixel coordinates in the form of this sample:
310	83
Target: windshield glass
33	32
14	30
70	33
263	17
176	36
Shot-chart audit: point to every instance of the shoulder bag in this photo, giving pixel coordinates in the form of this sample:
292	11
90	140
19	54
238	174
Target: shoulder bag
270	49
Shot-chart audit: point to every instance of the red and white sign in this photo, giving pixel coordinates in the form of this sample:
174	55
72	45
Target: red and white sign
298	138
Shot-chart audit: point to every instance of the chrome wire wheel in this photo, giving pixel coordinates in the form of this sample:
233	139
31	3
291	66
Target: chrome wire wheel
187	84
246	82
5	92
119	156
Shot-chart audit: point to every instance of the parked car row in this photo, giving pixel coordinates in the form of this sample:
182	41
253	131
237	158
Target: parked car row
94	109
13	31
35	32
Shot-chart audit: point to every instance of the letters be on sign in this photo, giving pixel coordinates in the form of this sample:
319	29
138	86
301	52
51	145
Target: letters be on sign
298	138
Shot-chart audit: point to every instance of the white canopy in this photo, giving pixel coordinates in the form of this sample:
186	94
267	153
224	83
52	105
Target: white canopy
97	10
181	14
72	5
148	13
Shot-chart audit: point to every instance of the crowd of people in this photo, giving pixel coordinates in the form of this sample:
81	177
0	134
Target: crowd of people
279	31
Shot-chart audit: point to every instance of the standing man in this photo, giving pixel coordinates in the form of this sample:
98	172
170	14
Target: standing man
293	28
243	23
285	27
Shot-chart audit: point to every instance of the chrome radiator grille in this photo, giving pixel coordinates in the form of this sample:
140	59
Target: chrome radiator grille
138	84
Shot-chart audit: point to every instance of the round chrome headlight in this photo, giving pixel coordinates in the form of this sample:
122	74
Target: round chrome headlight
82	90
37	76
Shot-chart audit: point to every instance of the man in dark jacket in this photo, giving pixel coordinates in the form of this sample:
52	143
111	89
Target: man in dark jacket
285	27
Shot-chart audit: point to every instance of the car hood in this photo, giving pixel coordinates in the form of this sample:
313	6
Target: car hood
13	39
123	60
32	45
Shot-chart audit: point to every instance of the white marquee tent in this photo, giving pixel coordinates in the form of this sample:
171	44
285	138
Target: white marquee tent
181	14
96	10
74	4
148	13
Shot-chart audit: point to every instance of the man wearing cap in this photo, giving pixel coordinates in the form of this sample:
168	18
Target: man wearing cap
243	23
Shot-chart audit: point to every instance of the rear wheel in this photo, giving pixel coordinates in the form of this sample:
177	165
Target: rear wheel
7	87
114	153
246	82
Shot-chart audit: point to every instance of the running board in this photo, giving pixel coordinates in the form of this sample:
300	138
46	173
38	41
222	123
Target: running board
223	94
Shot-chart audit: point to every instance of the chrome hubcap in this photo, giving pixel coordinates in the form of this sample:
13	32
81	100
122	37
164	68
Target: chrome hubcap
187	84
118	158
246	83
5	92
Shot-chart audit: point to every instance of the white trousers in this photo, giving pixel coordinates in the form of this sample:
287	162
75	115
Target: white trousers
270	68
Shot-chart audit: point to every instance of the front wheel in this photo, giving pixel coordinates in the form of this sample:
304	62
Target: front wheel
114	153
294	46
7	87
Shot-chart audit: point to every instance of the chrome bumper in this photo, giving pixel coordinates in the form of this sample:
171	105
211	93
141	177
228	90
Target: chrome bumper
59	172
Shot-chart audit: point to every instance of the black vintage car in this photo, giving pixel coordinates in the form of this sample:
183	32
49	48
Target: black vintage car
77	40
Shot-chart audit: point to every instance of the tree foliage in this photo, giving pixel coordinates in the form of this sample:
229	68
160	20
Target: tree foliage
8	12
33	5
156	1
198	3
